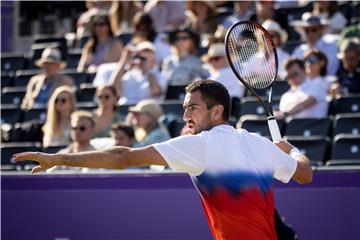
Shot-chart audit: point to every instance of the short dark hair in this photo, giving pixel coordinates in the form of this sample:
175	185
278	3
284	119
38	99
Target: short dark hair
213	93
294	61
127	129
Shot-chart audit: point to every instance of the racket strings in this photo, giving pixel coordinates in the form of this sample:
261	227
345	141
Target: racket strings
252	55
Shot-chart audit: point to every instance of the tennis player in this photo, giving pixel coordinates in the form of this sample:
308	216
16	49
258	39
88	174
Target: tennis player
232	169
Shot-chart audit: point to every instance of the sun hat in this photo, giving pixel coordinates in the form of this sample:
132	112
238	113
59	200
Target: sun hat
215	50
271	25
145	46
50	55
148	106
309	20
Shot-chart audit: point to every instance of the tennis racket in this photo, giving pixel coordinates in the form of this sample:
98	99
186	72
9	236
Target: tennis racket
253	59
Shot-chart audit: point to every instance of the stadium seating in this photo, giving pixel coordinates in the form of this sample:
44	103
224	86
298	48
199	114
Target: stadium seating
12	95
345	146
125	38
348	123
175	92
12	62
53	148
36	112
73	58
280	87
346	104
9	149
7	79
249	105
87	106
309	127
316	148
22	77
258	124
173	106
10	113
173	123
86	92
78	77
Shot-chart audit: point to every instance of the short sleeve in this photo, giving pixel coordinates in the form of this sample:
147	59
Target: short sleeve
185	153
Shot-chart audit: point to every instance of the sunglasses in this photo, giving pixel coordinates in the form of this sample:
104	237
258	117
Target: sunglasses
182	38
81	128
61	100
215	59
311	60
106	97
311	30
101	24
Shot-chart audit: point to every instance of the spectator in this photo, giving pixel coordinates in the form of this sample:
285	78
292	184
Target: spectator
315	68
122	134
41	86
57	125
145	118
122	13
201	17
349	72
266	10
313	29
243	11
82	130
279	36
183	66
145	31
303	99
136	77
221	72
167	15
94	7
106	113
102	47
329	10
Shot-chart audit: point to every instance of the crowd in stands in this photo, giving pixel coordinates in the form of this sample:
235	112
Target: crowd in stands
135	53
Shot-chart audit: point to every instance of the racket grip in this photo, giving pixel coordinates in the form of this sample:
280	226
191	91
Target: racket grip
274	129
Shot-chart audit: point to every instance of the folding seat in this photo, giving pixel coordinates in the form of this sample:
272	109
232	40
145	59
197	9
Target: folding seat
173	123
175	92
9	149
279	88
173	106
308	127
346	104
314	147
345	146
12	95
78	77
7	79
258	124
48	39
10	113
54	148
348	123
124	109
22	77
73	58
37	112
249	105
86	93
12	62
125	37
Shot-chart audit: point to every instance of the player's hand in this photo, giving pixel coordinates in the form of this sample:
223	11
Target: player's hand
284	145
45	160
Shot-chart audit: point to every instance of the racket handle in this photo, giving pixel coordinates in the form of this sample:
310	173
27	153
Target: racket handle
274	129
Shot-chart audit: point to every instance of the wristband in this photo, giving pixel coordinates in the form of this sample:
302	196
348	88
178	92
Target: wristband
294	152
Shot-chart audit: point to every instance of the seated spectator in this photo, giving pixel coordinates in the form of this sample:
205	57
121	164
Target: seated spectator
243	10
183	66
41	86
102	46
313	29
315	68
145	31
82	130
330	10
106	113
167	15
349	72
122	13
136	77
221	72
201	17
57	125
279	37
122	134
145	118
304	98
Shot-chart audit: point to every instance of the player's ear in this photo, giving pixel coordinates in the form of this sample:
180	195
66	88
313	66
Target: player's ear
217	112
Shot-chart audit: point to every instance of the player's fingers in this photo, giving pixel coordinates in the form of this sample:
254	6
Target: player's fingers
38	169
24	156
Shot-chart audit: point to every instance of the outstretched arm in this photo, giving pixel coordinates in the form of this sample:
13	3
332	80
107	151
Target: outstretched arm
113	158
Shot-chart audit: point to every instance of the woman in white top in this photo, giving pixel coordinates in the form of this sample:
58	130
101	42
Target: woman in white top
57	126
